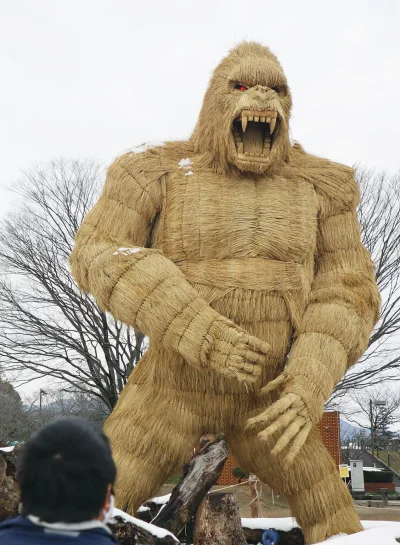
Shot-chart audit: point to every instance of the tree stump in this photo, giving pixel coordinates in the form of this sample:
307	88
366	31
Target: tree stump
218	521
9	490
199	476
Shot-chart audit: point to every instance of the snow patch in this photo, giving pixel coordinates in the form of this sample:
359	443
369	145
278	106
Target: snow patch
160	500
381	536
147	145
7	449
284	524
151	528
190	173
127	251
185	163
375	531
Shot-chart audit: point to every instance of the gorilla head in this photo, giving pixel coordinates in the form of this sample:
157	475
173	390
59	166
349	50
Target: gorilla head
243	125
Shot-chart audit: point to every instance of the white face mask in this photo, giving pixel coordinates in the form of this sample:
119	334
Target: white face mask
109	515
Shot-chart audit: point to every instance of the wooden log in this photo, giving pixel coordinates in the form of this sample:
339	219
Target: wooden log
9	490
218	521
129	533
199	476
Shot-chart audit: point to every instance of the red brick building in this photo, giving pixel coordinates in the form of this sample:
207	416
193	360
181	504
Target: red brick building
329	428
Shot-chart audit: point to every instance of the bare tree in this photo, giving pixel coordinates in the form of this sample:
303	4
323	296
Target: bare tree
14	417
63	402
47	327
375	409
379	214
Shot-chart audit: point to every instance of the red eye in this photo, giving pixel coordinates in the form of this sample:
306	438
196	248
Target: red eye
241	87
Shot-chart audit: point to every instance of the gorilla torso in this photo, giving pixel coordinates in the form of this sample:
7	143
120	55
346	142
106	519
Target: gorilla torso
210	216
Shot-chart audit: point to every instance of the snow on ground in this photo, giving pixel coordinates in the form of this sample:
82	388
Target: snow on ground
285	524
154	530
377	536
377	532
7	449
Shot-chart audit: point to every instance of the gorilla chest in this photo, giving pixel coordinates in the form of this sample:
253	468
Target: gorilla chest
214	217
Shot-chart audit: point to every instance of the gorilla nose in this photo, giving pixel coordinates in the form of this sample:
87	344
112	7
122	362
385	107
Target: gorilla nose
263	91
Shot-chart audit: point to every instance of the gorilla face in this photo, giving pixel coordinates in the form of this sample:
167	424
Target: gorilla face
244	121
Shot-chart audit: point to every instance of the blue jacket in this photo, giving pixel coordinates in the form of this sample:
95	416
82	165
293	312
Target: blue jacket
21	531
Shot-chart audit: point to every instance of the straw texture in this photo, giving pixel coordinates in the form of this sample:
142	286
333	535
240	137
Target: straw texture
241	269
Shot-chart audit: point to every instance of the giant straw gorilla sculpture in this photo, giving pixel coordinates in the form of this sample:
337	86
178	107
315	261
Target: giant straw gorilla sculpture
239	255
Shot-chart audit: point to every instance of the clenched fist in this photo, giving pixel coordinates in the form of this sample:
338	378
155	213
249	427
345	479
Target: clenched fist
234	353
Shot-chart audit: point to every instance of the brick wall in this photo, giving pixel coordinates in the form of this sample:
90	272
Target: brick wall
329	428
375	487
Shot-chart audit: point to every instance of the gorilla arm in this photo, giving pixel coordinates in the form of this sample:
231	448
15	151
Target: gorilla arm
334	332
144	289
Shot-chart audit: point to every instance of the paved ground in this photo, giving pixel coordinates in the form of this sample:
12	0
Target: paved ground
280	509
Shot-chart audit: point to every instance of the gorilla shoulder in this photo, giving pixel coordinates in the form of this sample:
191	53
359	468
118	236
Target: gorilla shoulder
334	183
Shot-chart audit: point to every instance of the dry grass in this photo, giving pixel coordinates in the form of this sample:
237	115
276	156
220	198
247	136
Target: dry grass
281	508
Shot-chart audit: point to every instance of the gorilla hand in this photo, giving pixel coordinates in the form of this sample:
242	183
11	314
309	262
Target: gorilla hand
290	417
234	353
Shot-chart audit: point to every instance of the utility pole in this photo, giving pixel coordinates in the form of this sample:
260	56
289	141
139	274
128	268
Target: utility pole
41	394
371	419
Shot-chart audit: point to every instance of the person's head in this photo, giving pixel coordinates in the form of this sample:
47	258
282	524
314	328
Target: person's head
66	472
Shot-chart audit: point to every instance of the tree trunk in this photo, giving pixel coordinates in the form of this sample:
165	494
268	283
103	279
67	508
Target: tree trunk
9	490
199	476
218	521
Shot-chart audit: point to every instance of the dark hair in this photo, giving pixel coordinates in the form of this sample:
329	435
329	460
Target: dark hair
64	470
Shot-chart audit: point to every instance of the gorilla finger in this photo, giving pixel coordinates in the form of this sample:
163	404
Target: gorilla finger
259	346
280	406
290	433
279	424
275	384
297	444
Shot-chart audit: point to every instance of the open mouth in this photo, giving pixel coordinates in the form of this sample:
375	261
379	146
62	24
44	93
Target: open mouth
253	131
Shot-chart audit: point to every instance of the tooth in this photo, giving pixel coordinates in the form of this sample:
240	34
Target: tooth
240	148
268	120
272	125
262	119
244	123
257	119
251	118
246	153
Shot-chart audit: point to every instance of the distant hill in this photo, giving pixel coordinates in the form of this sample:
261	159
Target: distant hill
347	429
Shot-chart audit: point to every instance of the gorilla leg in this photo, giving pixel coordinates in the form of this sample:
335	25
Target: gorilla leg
316	494
152	433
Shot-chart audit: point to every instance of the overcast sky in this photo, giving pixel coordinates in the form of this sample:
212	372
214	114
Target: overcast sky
96	77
